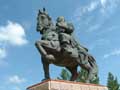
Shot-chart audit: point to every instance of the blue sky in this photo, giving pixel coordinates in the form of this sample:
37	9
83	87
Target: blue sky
96	27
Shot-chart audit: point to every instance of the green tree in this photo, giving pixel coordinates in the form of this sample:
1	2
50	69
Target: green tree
83	74
112	82
65	75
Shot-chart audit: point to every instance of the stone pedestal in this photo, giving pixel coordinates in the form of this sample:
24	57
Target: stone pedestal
65	85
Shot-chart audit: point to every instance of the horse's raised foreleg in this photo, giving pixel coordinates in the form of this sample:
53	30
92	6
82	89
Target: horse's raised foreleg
46	69
40	48
39	45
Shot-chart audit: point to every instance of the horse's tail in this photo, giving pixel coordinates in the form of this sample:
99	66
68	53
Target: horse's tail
93	64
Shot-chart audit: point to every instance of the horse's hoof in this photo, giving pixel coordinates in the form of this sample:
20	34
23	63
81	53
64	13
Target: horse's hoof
45	79
74	77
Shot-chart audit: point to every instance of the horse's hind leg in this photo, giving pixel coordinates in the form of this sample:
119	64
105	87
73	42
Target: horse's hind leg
74	73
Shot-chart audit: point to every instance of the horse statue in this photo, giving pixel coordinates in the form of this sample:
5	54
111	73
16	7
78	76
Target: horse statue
50	50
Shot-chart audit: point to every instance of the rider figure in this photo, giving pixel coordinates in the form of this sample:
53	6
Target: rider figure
65	31
67	41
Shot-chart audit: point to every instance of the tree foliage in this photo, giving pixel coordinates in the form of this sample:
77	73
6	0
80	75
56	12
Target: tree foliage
112	82
65	75
83	74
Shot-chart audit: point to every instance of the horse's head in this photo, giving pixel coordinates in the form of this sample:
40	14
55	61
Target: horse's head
43	21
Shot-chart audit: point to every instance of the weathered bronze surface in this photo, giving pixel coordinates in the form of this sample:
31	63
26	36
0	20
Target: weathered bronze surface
58	46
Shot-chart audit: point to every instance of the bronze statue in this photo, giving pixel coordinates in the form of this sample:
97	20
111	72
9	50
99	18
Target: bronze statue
58	46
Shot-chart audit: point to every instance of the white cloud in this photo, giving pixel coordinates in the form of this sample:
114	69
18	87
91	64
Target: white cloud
99	10
2	53
115	52
109	6
92	6
16	79
80	11
103	6
12	33
103	3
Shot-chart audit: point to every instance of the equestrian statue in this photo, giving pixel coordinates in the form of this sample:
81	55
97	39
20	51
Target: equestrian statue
58	46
